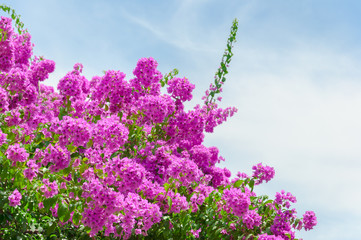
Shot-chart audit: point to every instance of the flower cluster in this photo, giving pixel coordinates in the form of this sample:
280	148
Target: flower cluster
184	170
32	170
262	173
49	189
284	199
111	86
309	220
180	88
15	198
72	131
146	72
265	236
2	137
237	201
58	156
125	174
40	70
251	219
16	154
7	51
73	84
156	108
4	104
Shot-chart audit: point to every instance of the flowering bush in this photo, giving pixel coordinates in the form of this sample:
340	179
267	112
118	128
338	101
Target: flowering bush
112	158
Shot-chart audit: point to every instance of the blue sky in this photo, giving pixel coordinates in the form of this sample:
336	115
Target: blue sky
295	78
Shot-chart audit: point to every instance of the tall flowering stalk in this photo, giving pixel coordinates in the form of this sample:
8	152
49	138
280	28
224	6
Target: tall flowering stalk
115	158
222	71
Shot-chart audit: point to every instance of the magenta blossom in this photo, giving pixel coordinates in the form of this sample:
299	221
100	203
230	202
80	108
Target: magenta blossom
309	220
262	173
15	198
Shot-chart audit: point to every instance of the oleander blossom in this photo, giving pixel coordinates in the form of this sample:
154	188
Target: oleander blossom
309	220
262	173
15	198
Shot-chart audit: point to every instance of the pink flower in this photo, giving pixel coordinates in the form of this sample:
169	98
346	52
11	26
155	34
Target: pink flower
262	173
181	88
15	198
16	154
196	232
251	219
309	220
49	189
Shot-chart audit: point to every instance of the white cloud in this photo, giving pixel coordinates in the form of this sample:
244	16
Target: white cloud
299	113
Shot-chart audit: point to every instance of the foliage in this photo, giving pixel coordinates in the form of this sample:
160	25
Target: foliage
115	158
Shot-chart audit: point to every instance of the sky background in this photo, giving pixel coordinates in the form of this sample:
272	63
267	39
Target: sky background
295	79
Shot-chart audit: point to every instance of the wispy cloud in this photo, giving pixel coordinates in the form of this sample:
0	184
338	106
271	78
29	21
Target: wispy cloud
169	30
299	113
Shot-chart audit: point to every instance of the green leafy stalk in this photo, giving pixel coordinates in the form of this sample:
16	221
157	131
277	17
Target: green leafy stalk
18	23
219	77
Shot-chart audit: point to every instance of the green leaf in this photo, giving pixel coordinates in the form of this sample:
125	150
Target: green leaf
96	118
251	184
89	143
76	218
11	136
288	235
50	229
71	148
267	202
67	170
169	203
49	202
238	183
66	217
62	113
62	211
166	186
